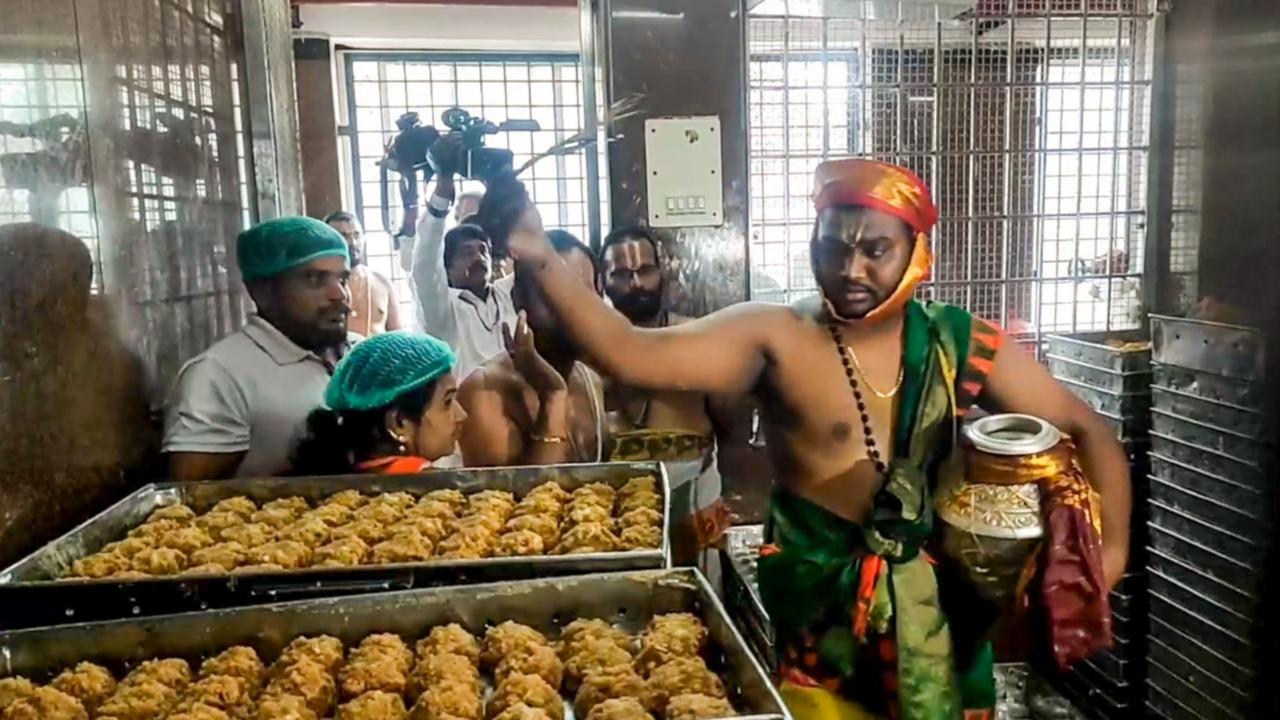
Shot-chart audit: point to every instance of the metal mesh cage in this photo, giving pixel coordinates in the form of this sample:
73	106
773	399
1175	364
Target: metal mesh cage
34	91
1026	118
164	186
185	179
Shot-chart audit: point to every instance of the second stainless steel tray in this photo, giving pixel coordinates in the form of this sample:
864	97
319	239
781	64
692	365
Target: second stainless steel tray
1206	436
628	600
1246	499
1124	405
1209	460
742	594
1232	351
1208	386
1126	351
31	594
1102	378
1231	418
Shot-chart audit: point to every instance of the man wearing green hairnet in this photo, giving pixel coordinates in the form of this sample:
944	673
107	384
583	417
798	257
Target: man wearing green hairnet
239	409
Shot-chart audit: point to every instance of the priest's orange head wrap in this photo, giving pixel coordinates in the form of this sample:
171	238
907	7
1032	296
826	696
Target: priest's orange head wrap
877	185
890	189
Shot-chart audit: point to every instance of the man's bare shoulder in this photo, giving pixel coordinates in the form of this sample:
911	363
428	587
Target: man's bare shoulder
807	309
381	280
497	375
481	396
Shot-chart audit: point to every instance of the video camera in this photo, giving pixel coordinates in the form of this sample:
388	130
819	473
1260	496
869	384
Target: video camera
414	150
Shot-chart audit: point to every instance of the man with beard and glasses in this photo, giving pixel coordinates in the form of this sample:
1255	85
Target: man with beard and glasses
240	408
861	392
536	403
374	306
676	428
458	300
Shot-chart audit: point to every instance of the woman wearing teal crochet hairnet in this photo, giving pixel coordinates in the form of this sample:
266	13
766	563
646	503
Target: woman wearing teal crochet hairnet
389	408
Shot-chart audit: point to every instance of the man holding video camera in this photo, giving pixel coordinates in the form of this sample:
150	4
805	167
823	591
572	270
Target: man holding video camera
452	273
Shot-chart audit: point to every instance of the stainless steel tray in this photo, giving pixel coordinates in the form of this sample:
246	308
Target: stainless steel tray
1232	418
1092	348
627	599
1102	378
1208	508
1240	599
1121	405
30	594
1182	641
1238	496
742	594
1232	542
1209	437
1240	393
1128	430
1208	460
1193	553
1193	690
1240	626
743	544
1207	631
1232	351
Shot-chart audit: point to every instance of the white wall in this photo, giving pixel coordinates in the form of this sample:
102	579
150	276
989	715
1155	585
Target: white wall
443	27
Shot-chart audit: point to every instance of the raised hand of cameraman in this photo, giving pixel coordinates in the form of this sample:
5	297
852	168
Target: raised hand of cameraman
445	157
442	157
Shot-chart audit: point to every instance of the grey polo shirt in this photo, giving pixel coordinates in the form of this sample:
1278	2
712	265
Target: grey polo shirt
250	392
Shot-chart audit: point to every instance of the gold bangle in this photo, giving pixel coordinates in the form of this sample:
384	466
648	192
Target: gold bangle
549	439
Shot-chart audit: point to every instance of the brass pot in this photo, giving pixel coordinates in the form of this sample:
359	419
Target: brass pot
992	528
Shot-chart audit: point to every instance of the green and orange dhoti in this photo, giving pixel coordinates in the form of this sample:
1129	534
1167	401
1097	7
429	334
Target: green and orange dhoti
861	612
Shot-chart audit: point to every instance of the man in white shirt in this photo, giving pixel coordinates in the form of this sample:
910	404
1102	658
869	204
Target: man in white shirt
240	408
458	301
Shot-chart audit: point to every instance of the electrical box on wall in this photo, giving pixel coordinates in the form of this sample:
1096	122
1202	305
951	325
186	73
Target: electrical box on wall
685	179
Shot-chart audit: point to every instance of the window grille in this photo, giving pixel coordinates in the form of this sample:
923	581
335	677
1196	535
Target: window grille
1027	119
543	87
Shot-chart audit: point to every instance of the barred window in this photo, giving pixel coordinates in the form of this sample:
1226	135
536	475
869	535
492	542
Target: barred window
1029	127
542	87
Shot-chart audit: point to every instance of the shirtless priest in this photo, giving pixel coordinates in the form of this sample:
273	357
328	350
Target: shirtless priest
860	389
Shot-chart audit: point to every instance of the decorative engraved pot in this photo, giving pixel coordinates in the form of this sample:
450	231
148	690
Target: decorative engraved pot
992	528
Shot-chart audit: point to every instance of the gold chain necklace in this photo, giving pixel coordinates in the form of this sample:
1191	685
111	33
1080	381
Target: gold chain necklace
867	380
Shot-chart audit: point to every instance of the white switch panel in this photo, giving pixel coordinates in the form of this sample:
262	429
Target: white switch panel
685	178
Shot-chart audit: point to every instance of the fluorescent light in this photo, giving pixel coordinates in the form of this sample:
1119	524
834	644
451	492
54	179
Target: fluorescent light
647	15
